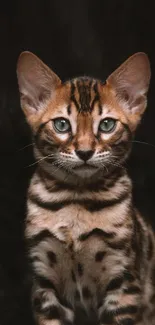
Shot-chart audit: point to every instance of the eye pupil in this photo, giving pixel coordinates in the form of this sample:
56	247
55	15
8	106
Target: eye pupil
62	124
107	125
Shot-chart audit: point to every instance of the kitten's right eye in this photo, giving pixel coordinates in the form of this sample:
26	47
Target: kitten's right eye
61	125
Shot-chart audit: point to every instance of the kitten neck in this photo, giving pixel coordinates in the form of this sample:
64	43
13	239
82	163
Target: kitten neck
100	181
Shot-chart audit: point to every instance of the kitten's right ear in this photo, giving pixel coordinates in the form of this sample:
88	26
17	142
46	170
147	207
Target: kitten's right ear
37	83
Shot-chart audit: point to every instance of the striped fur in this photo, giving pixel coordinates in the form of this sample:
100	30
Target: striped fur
92	256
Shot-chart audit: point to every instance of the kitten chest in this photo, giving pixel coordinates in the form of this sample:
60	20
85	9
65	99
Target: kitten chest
75	249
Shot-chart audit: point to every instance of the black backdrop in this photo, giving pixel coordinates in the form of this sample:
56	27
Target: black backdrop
73	37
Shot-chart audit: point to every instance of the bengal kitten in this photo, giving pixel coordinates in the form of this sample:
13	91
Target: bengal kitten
92	255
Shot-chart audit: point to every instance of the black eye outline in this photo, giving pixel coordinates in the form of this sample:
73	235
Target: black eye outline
108	119
59	119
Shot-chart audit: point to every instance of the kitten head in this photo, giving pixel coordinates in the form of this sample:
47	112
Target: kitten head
83	126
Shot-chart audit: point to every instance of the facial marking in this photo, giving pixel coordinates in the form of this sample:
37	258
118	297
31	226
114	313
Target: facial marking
85	106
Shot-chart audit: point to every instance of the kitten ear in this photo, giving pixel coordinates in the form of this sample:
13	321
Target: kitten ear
131	82
36	81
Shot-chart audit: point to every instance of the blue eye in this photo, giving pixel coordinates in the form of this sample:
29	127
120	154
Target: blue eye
107	125
61	125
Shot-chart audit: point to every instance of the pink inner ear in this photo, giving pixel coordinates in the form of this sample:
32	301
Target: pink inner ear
36	81
132	77
44	94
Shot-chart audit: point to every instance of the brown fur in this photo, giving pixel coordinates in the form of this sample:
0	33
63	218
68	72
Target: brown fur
92	256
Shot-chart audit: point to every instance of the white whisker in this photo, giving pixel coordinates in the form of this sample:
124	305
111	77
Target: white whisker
28	145
143	142
41	159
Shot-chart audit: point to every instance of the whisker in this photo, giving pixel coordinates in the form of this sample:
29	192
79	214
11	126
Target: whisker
104	166
28	145
62	164
41	159
114	162
143	142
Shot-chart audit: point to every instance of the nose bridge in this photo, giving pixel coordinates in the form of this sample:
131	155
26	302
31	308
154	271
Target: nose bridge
85	136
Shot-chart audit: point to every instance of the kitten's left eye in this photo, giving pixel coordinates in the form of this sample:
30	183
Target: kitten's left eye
61	125
107	125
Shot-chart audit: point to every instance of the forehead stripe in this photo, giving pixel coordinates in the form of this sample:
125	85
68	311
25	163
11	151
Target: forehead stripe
98	98
87	92
84	95
69	109
72	96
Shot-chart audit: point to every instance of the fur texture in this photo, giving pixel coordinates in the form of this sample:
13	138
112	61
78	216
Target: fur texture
91	254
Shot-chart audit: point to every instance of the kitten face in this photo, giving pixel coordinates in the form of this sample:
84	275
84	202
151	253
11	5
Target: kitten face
85	132
83	126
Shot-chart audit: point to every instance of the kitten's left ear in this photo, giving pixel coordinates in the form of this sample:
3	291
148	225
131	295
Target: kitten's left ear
131	82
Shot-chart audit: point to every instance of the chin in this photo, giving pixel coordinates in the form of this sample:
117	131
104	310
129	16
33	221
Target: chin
85	171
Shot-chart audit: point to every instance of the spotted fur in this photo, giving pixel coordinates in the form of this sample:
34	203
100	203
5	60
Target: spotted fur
92	256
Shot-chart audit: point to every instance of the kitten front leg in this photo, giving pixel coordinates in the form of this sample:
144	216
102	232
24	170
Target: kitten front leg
48	256
48	309
122	303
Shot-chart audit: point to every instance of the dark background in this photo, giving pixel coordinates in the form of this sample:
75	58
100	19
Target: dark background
74	38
